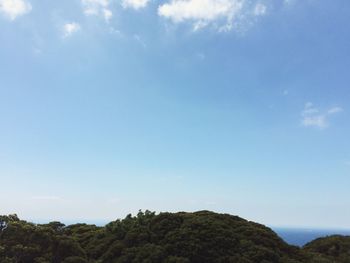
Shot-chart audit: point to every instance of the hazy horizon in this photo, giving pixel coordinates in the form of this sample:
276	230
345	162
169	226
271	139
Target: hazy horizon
233	106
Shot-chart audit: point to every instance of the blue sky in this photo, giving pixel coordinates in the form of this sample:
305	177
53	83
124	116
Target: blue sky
236	106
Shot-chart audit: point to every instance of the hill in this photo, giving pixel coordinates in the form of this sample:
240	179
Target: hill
333	248
200	237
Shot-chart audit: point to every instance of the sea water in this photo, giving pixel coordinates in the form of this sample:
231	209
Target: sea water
301	236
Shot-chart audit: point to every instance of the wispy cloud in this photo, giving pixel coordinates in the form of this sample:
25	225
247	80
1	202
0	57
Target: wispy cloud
135	4
289	2
47	198
222	14
98	8
70	28
334	110
200	55
313	117
139	39
14	8
114	200
259	9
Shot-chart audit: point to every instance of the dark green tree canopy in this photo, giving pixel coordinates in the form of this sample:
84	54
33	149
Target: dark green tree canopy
200	237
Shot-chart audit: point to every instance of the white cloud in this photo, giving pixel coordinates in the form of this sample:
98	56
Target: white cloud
107	14
223	15
135	4
98	8
70	28
335	110
259	9
318	121
313	117
115	31
14	8
201	12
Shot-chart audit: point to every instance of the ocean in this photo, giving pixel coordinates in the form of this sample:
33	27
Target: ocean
301	236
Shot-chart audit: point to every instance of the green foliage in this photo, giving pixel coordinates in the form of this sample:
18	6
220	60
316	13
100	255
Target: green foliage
330	249
201	237
26	242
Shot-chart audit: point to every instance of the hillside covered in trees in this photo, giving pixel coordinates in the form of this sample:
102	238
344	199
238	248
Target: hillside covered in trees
200	237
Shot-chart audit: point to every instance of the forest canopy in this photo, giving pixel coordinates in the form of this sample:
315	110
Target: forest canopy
200	237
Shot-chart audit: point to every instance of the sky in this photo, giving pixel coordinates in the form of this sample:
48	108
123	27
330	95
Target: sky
234	106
